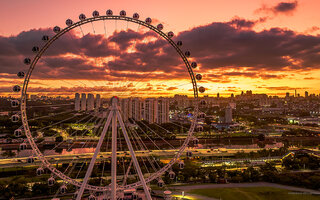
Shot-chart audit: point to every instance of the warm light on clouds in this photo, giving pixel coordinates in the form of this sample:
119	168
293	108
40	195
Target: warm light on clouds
263	47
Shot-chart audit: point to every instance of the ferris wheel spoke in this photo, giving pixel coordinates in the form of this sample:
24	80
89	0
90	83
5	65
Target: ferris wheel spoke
134	141
50	105
157	134
92	162
144	147
133	156
92	117
41	129
153	142
41	117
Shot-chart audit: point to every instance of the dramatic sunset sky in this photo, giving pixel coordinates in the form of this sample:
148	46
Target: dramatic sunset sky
266	46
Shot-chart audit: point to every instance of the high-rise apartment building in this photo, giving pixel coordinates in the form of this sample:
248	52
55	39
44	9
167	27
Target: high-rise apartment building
98	101
228	114
90	102
149	110
83	102
162	110
77	102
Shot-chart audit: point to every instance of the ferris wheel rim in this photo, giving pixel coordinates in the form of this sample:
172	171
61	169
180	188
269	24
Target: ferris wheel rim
25	123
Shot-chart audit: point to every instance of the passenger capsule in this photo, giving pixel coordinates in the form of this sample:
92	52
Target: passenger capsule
172	175
202	89
187	54
30	160
20	74
109	12
159	27
194	64
23	146
45	38
170	34
63	189
17	132
179	43
15	103
56	29
181	164
189	154
16	88
92	197
69	22
199	128
82	17
51	181
35	49
135	16
39	171
148	20
202	115
160	183
95	13
203	103
195	141
199	77
15	118
27	61
123	13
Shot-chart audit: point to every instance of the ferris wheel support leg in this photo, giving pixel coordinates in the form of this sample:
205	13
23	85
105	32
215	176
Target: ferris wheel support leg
114	157
133	155
93	159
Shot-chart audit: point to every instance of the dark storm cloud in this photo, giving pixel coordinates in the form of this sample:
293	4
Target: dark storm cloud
232	47
286	6
220	45
239	23
280	8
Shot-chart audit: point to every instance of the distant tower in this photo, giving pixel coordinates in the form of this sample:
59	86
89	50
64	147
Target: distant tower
90	102
295	93
287	94
306	94
83	102
232	95
77	102
218	95
228	114
98	101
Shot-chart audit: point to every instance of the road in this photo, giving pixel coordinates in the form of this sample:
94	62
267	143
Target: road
186	188
83	157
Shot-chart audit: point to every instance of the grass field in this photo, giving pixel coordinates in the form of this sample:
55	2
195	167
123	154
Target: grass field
253	193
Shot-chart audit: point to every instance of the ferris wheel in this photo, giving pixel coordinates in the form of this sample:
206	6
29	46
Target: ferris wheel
123	153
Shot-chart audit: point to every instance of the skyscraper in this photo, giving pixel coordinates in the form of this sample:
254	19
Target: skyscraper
135	109
77	102
162	110
228	114
83	102
149	110
124	109
98	101
90	102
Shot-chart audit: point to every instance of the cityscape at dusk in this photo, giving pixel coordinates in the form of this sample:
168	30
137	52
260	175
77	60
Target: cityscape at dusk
148	100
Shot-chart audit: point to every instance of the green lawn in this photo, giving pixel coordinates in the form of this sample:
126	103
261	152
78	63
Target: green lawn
253	193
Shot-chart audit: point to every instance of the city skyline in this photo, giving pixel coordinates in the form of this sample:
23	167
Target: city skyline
280	42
